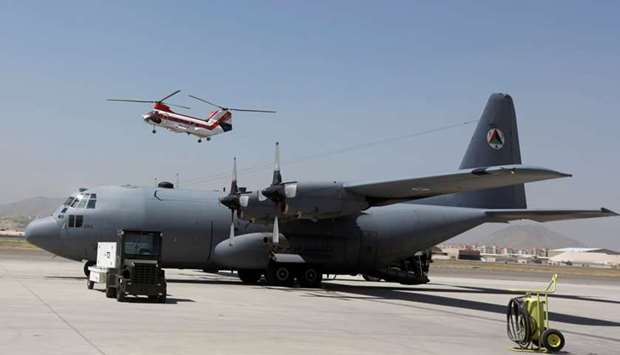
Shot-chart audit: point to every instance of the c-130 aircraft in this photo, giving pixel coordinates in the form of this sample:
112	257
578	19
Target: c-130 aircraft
301	230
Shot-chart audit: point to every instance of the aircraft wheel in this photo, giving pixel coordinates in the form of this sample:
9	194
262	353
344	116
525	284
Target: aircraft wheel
86	266
279	275
553	340
310	277
200	141
249	277
154	131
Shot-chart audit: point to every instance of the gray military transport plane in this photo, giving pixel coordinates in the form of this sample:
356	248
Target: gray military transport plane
300	230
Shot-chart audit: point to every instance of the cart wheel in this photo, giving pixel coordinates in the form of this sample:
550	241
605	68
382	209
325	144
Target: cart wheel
553	340
90	284
110	292
120	295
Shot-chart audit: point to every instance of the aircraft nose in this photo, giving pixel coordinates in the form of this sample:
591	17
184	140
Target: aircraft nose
44	233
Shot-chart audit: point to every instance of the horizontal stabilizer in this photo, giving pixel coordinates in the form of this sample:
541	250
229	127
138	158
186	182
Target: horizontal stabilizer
505	216
387	192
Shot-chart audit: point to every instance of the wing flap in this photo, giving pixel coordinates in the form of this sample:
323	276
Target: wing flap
505	216
466	180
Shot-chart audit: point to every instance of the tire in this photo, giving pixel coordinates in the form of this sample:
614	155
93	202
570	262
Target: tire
370	278
120	291
90	284
279	275
162	298
86	266
249	277
310	277
110	292
553	340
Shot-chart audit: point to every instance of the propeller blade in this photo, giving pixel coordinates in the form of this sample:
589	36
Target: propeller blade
169	96
207	102
276	232
247	110
129	100
234	188
231	236
277	176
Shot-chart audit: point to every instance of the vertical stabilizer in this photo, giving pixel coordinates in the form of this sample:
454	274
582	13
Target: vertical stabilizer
495	142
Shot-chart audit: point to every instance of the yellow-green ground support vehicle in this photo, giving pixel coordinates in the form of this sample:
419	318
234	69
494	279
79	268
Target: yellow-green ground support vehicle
527	320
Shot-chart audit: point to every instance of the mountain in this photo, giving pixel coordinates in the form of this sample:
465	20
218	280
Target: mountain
521	236
31	207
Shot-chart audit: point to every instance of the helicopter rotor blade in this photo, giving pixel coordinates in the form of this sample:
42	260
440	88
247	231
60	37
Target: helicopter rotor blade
169	96
179	106
207	102
129	100
247	110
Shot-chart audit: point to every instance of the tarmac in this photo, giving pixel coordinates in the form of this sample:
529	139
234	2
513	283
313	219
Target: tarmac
45	308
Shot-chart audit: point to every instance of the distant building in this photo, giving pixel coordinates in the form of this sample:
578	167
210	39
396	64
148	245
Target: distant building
554	252
585	257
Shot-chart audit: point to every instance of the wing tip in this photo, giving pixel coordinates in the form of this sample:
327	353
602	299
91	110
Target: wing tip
609	212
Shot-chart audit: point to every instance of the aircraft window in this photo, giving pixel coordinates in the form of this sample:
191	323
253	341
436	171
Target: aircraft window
68	201
63	210
83	202
92	201
75	202
71	223
79	221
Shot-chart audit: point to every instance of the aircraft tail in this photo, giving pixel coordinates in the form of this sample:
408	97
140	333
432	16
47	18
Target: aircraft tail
495	142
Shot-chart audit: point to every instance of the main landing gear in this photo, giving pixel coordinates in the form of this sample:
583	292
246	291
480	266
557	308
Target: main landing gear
280	274
200	139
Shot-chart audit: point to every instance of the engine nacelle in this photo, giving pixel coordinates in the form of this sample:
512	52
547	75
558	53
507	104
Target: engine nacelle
313	201
246	251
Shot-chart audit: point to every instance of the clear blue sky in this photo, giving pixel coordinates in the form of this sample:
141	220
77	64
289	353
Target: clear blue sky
339	74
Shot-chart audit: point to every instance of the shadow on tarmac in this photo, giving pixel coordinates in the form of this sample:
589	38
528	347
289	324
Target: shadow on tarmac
422	295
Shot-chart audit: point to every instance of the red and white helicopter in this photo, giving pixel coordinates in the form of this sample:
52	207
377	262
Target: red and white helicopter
219	121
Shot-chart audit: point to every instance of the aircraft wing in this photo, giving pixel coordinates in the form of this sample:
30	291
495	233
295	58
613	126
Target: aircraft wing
387	192
505	216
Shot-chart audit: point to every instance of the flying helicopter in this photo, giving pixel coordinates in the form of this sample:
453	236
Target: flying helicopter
219	121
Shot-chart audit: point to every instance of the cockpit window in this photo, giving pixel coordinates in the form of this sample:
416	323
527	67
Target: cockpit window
92	201
83	201
69	201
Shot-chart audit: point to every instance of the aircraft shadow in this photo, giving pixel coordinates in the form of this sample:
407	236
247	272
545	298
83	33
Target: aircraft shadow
422	295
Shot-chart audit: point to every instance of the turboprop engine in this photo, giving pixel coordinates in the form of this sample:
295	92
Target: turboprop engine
292	200
251	251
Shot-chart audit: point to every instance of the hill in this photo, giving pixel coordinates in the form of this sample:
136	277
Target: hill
523	236
31	207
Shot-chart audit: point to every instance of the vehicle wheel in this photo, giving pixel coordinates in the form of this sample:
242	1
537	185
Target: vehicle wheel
249	277
552	340
310	277
279	275
110	292
120	295
90	284
162	298
86	266
370	278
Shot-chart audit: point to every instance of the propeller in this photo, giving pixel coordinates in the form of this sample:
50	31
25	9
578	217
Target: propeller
228	108
276	191
232	200
160	101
